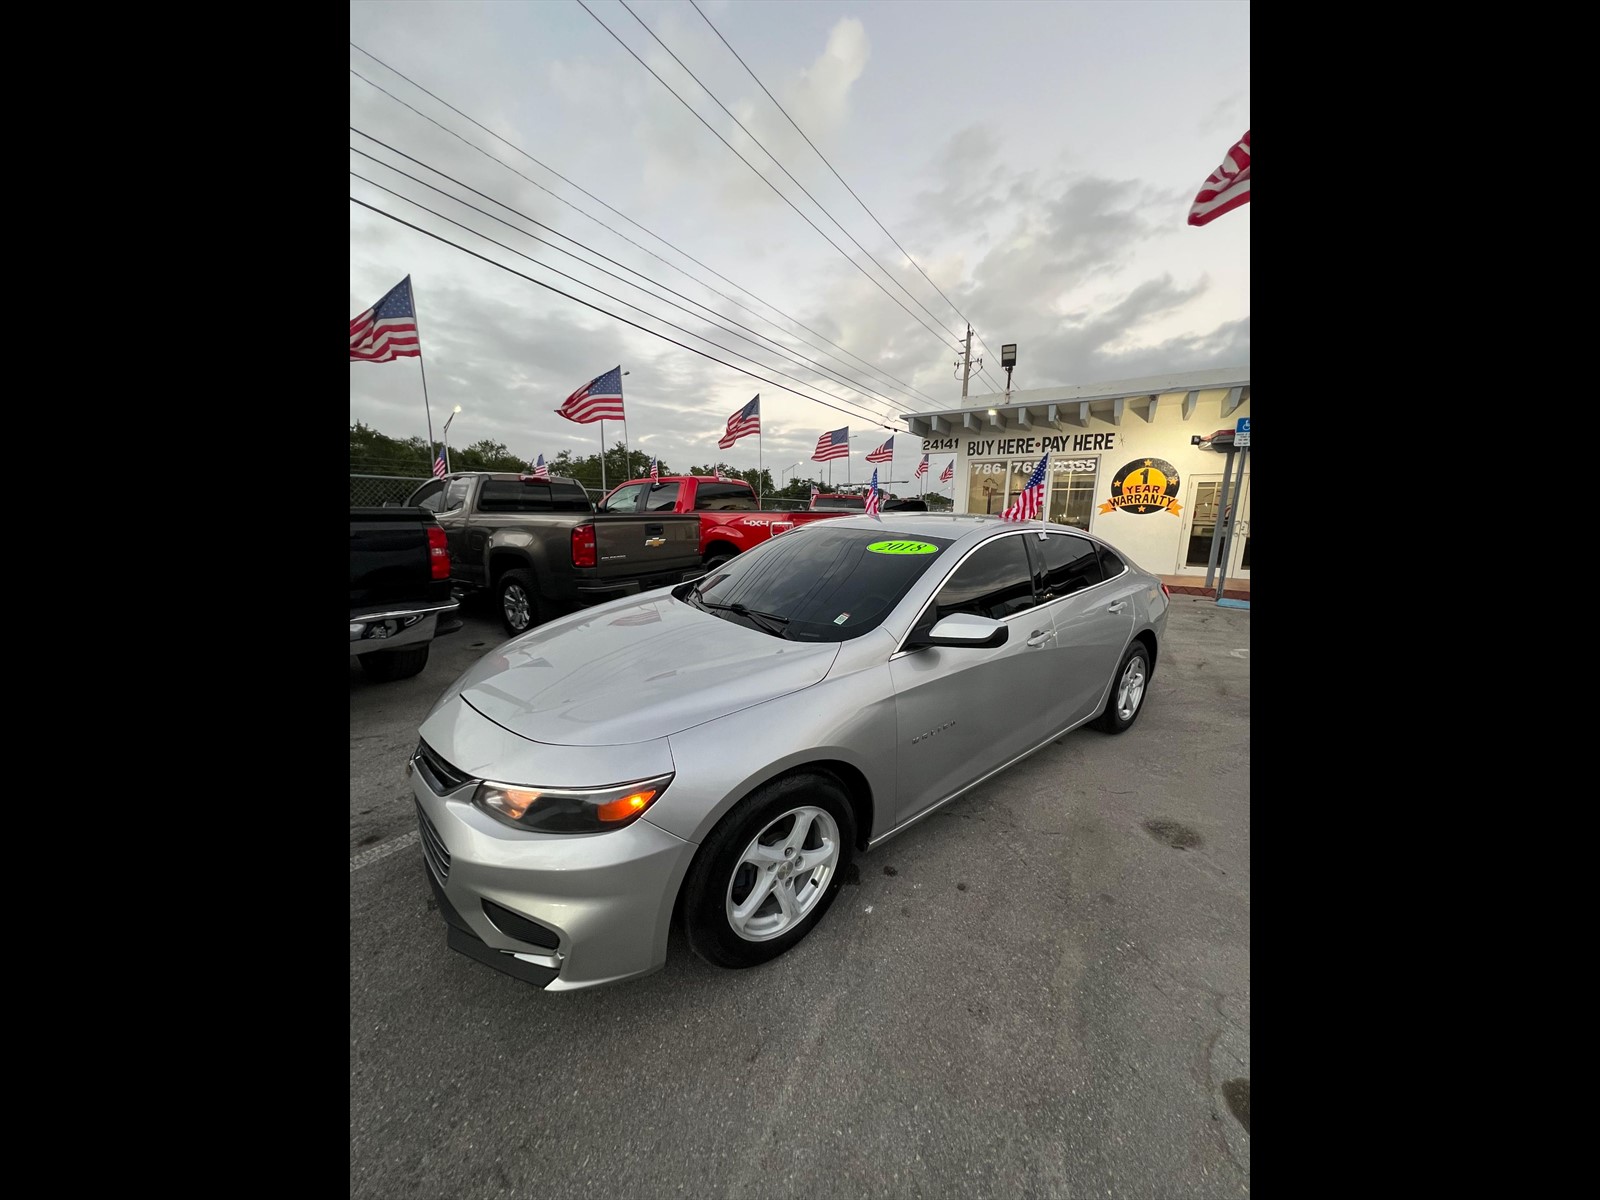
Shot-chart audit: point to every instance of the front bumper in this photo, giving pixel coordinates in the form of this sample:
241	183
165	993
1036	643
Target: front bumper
560	911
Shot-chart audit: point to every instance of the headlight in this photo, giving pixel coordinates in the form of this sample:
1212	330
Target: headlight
569	810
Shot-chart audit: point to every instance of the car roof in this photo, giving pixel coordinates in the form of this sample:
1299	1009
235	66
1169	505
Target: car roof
962	527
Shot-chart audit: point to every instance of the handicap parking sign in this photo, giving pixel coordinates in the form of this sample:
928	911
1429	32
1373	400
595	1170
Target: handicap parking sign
1241	432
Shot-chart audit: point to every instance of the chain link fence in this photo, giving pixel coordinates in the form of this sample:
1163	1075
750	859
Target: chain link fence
374	491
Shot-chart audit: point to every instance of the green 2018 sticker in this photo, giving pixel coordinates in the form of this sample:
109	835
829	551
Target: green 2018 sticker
902	548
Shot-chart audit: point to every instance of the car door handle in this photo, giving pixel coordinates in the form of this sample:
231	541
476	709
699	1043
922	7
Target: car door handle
1118	606
1040	636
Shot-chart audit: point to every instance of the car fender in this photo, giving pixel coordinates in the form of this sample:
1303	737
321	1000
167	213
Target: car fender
848	719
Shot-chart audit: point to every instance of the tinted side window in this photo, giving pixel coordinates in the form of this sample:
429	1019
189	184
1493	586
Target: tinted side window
625	499
1070	564
569	497
1110	565
721	497
428	497
662	497
994	582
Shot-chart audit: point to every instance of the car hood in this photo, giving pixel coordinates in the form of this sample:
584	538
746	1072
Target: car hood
632	671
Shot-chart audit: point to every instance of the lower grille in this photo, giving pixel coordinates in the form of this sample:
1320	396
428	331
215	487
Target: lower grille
433	847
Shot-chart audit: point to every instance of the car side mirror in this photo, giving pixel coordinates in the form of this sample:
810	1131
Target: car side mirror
965	629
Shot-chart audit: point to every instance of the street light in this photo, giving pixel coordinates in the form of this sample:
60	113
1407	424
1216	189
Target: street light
1008	359
452	417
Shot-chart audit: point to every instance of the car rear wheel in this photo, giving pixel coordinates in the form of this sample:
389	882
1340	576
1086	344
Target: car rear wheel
1128	692
521	607
769	871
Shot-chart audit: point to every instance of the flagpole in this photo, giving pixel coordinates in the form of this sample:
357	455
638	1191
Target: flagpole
760	460
1044	508
426	408
602	457
627	451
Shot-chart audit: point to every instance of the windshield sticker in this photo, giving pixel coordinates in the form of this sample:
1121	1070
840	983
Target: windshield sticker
902	548
841	618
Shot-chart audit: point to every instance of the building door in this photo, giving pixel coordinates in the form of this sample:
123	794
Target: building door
1200	523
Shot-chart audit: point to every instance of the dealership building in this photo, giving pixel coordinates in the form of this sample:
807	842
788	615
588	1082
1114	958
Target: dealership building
1132	461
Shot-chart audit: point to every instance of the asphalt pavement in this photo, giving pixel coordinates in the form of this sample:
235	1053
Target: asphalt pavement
1042	989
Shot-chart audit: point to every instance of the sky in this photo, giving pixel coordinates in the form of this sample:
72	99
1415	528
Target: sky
1035	159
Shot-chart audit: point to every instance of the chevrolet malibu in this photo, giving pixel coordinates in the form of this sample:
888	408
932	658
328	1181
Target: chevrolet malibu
718	752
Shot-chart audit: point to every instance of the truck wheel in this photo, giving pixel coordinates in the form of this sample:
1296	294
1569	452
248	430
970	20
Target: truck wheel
716	557
521	607
769	871
388	665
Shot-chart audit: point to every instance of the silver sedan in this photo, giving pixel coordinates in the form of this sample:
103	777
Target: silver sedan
721	750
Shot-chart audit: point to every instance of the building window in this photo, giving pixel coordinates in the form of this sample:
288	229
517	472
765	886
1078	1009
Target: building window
992	485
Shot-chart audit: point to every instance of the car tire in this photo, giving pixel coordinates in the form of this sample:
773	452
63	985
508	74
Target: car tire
723	880
388	665
713	561
521	607
1129	689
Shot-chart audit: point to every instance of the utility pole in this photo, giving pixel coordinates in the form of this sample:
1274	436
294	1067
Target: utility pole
965	363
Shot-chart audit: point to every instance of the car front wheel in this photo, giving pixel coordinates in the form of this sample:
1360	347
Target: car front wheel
769	871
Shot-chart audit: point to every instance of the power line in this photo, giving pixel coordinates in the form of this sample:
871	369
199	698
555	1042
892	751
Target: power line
879	371
887	273
606	312
715	318
843	253
837	176
590	286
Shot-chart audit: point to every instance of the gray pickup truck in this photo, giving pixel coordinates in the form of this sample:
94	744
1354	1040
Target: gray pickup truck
399	590
540	548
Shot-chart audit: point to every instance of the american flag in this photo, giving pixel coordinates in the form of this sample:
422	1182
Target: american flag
598	400
884	453
922	468
949	471
1030	503
387	330
655	471
721	478
874	503
438	465
814	492
541	469
833	445
744	422
1227	188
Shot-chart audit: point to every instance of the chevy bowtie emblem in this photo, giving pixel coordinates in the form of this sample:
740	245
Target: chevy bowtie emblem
655	541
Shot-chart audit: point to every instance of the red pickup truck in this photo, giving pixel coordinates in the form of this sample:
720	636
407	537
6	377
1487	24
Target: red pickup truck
731	518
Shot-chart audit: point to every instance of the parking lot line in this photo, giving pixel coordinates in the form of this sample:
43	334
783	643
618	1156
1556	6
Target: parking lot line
368	857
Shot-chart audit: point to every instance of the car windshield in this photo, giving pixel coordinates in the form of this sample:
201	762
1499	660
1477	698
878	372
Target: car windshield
819	583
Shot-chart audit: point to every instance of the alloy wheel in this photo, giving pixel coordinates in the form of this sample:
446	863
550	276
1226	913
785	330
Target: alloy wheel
782	874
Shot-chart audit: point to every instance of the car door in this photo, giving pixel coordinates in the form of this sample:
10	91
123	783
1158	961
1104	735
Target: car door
1092	618
963	711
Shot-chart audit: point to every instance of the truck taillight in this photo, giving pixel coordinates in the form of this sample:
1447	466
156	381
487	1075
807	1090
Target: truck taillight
583	551
438	552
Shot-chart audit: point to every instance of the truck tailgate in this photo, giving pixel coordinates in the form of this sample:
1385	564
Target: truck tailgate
389	558
656	549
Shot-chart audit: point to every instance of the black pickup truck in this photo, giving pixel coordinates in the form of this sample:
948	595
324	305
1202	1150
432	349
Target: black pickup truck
399	590
540	548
